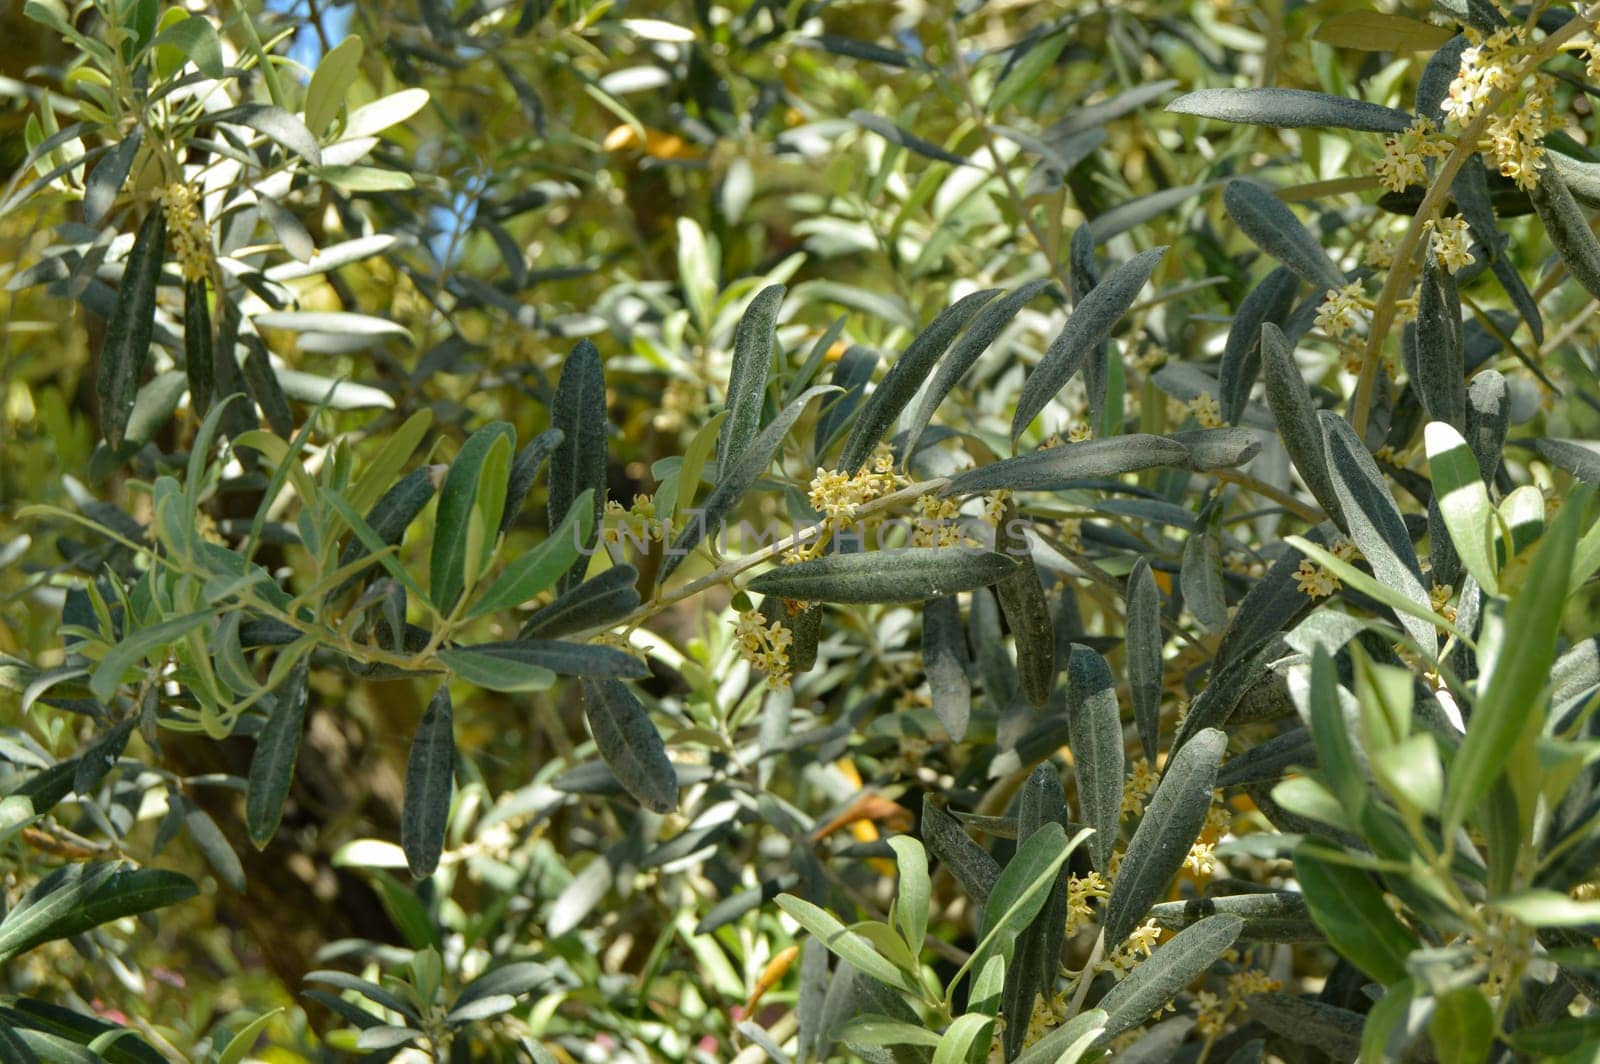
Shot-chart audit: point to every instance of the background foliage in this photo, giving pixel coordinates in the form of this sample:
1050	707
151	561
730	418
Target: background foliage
1183	645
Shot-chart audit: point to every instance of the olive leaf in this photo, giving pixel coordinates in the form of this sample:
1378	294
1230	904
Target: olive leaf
1440	347
475	475
1269	222
277	750
907	374
1171	822
1290	401
1290	109
1172	966
1567	227
1054	467
986	328
1094	726
129	329
1374	523
1144	642
1270	301
578	463
905	575
944	659
430	772
747	380
630	744
1089	324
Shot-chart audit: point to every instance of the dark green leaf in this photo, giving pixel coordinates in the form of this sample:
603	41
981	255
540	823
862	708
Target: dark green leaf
277	749
132	321
988	326
947	840
430	770
944	659
1349	908
1568	228
747	380
1174	965
1090	324
1144	641
1269	222
1171	823
449	564
78	897
1269	916
907	575
630	744
1375	524
1095	729
578	463
1290	109
1054	467
907	374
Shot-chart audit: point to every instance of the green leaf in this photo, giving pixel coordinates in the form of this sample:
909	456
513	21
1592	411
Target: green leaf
1512	688
1094	725
1020	892
1331	733
733	482
845	944
1269	916
430	771
1144	641
330	82
913	894
1171	823
533	572
896	135
1027	614
630	744
1272	226
968	862
1375	525
596	603
1054	467
961	1037
1039	57
1379	31
277	749
208	837
1090	323
1201	574
130	327
524	471
100	756
107	675
1290	109
199	354
1548	908
1033	968
578	464
560	657
1290	401
693	466
1269	303
874	1030
1349	908
1568	228
197	39
747	380
907	374
1463	502
1462	1027
1440	369
468	480
1161	976
895	575
990	322
495	672
944	660
240	1044
105	181
78	897
384	112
